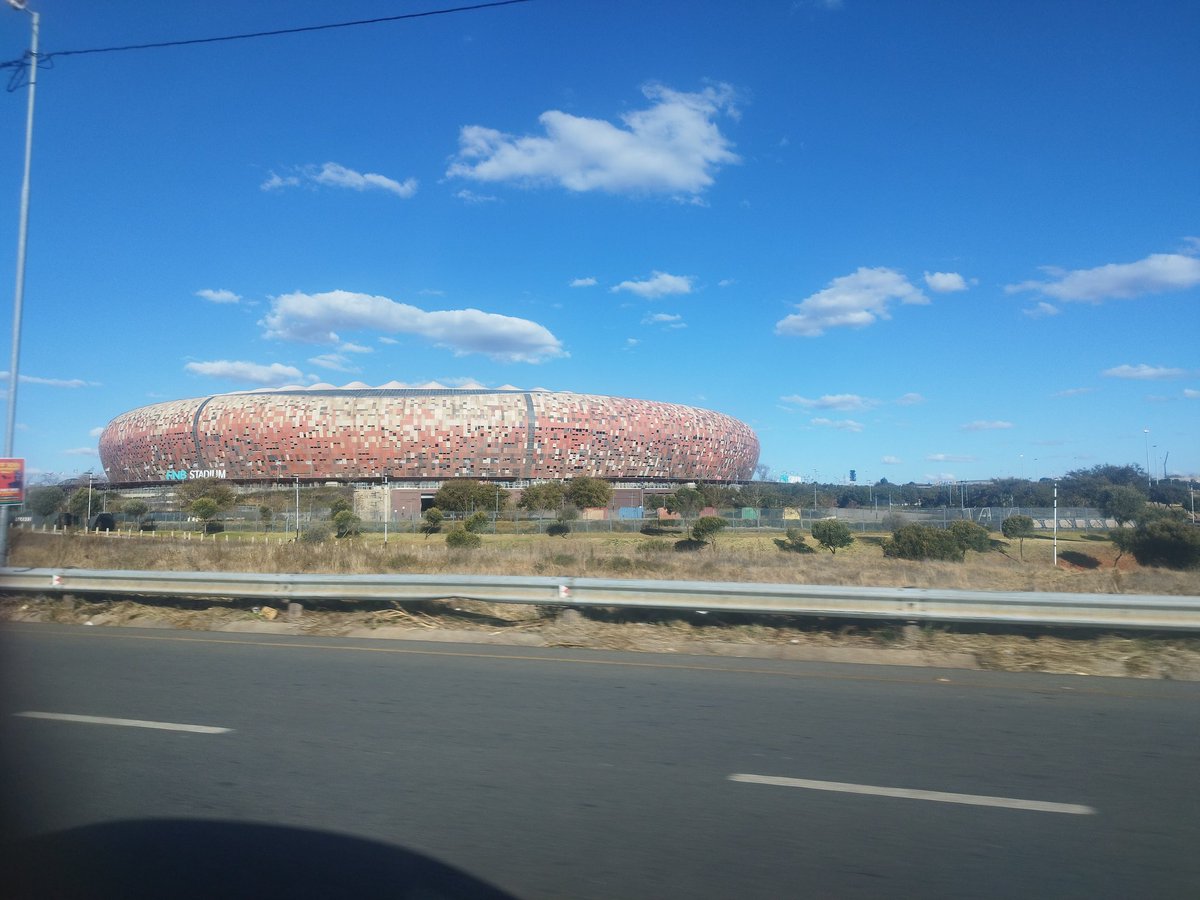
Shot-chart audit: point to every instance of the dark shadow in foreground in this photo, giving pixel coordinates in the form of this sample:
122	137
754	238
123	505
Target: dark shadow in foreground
197	858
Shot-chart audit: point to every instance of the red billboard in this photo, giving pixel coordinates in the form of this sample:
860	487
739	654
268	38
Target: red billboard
12	482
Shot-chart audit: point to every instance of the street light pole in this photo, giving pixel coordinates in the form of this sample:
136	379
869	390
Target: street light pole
19	293
297	507
387	507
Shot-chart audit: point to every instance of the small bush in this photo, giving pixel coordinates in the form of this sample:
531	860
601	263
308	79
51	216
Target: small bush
970	536
795	542
1167	542
461	539
477	522
432	521
213	527
705	529
893	522
688	545
558	529
315	534
923	542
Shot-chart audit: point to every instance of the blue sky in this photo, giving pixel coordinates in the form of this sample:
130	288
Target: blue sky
926	240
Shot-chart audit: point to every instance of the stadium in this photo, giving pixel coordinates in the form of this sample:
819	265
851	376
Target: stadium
357	433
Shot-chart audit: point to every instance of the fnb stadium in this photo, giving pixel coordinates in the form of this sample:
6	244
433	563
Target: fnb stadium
358	433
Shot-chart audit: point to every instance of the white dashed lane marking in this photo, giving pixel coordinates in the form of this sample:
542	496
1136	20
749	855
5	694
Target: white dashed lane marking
843	787
127	723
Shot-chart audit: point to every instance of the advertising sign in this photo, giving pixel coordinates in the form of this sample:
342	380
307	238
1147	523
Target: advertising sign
12	482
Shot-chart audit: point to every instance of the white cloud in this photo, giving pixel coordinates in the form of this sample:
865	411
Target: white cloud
948	457
276	181
1042	310
854	300
840	402
333	174
232	370
1156	274
355	348
51	382
97	431
945	282
1073	392
383	339
313	318
218	296
1143	371
839	424
81	451
468	196
583	282
985	425
726	282
1191	393
670	320
631	342
659	284
672	147
333	361
890	460
909	399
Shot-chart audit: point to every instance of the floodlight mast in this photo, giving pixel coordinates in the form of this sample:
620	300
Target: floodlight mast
19	293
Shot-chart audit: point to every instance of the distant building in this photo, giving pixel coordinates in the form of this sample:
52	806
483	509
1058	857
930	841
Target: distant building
413	434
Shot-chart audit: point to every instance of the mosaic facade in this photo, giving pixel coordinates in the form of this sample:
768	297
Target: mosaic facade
424	434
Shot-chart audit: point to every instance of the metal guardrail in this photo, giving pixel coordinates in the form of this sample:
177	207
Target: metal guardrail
1120	611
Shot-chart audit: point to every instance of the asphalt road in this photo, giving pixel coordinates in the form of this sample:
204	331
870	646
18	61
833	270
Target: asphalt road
583	774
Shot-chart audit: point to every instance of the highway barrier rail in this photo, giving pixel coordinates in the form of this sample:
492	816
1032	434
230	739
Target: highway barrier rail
1111	611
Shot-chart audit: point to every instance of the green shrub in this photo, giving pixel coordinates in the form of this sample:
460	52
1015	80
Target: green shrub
1168	542
347	524
477	522
459	538
432	521
558	529
923	542
832	534
315	534
795	542
970	536
705	529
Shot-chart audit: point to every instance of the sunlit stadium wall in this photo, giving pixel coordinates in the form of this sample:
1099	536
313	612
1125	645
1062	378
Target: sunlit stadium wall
353	434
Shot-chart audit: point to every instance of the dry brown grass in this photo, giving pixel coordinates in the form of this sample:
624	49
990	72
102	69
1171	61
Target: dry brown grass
744	556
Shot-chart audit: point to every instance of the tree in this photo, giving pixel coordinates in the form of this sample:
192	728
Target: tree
585	492
213	488
1019	527
832	534
135	509
266	515
705	529
1125	504
432	521
970	536
347	524
341	504
463	495
476	522
920	542
82	501
542	497
46	501
204	508
685	500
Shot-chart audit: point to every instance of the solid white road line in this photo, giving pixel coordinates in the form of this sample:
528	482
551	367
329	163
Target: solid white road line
908	794
128	723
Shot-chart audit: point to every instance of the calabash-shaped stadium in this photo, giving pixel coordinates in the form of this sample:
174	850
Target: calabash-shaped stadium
360	433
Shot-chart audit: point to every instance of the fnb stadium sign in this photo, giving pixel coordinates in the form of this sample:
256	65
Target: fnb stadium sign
188	474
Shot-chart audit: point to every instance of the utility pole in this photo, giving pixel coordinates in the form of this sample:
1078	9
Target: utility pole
19	293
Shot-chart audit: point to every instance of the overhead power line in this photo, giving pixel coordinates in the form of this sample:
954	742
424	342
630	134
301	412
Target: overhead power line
46	59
